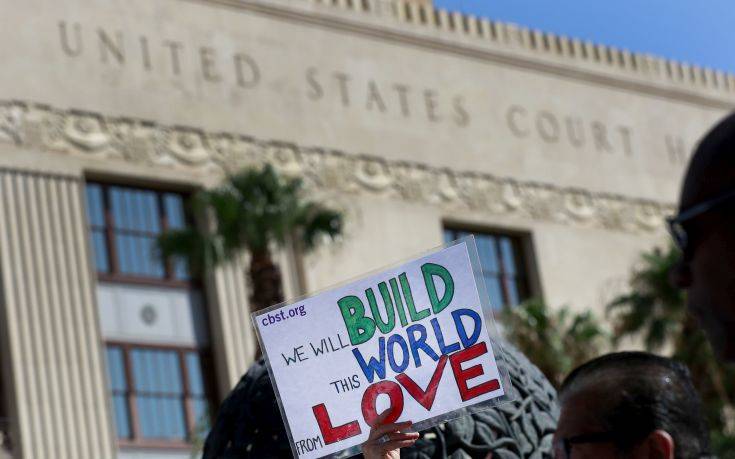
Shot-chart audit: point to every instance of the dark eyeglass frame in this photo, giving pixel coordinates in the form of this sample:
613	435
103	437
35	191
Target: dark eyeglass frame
596	437
676	222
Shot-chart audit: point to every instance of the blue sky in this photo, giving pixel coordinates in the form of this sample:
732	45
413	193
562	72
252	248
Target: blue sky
700	32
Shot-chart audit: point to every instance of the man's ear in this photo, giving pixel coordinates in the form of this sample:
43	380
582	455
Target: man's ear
660	445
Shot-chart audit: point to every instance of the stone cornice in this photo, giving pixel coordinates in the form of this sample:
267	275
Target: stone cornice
508	44
146	143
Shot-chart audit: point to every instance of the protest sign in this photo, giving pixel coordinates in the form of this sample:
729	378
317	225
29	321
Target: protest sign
415	338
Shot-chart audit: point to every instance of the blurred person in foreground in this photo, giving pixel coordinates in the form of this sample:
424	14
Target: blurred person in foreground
630	405
704	230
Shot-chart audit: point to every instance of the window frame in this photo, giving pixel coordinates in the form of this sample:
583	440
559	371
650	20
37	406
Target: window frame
136	439
109	230
519	245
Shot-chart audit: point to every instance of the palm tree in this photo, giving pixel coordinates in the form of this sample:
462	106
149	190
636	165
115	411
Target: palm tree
254	210
653	308
655	311
556	341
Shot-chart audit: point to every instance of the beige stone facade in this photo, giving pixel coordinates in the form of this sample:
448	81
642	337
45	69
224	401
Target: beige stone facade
409	119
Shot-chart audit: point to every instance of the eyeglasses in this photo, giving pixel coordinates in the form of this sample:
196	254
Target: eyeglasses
563	446
676	223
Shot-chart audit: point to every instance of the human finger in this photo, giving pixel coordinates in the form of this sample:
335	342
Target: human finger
382	417
396	436
396	444
381	430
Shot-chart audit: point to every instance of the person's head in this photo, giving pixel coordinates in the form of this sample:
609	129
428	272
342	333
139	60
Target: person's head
705	231
630	405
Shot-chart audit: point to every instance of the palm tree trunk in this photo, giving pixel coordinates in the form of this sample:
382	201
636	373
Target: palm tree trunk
266	284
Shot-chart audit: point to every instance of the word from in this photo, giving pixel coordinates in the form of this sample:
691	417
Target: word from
309	444
346	384
168	56
361	327
281	315
573	131
425	397
397	98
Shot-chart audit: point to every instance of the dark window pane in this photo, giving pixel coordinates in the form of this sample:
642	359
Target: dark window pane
487	252
502	266
95	208
134	201
148	218
137	221
506	249
181	271
154	266
137	255
116	206
448	236
141	370
156	371
153	215
513	293
122	419
161	417
494	291
135	210
146	410
158	381
201	414
118	385
174	206
116	369
152	370
173	375
122	248
99	247
194	373
143	200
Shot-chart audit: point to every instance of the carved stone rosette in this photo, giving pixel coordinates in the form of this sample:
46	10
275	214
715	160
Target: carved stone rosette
144	142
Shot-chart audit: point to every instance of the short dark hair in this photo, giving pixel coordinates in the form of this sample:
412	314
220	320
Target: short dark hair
650	393
712	165
717	147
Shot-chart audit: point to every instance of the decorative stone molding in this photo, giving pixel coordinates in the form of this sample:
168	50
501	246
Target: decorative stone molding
92	135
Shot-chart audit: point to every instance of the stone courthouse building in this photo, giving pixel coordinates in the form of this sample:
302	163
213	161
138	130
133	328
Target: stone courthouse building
561	156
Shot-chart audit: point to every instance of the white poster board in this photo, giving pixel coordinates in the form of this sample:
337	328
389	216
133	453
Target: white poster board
417	338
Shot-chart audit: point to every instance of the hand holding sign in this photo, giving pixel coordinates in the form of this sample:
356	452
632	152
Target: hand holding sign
386	440
411	342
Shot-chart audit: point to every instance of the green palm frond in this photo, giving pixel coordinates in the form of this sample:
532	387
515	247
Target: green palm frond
318	222
555	340
187	244
251	210
653	309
